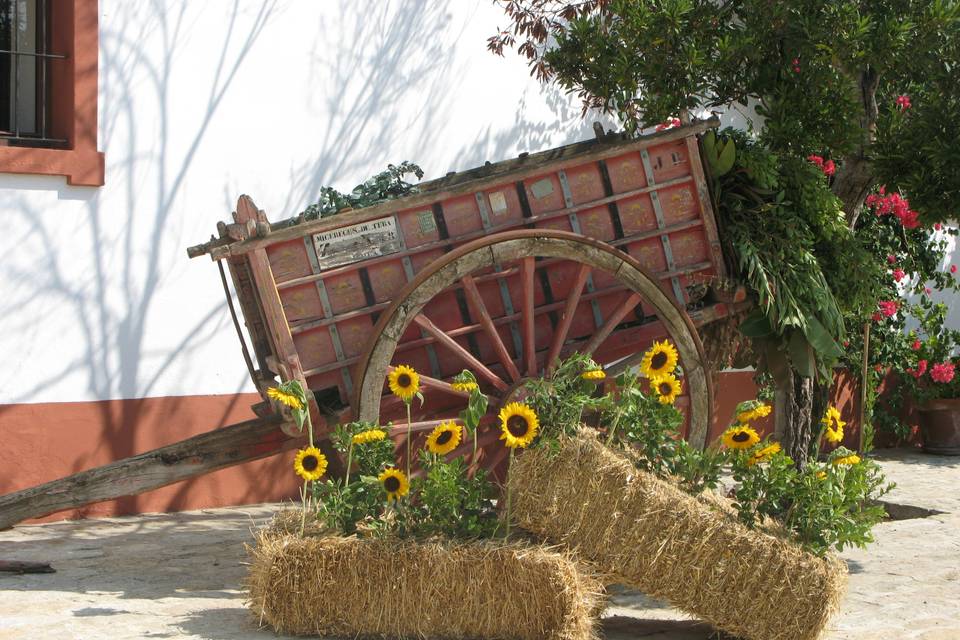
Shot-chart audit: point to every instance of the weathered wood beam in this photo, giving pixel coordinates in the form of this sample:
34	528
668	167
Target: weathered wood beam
235	444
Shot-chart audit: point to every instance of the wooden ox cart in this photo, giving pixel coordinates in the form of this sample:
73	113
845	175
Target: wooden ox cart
597	247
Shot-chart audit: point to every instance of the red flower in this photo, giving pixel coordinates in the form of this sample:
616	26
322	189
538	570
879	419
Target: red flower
887	307
953	268
876	317
898	275
938	226
920	370
815	159
892	259
942	372
927	291
903	102
672	122
829	168
846	343
916	345
910	220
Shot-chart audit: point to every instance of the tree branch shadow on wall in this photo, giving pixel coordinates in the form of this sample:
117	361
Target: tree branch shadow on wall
111	302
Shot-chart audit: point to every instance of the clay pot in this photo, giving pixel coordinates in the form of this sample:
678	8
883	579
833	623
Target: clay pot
940	426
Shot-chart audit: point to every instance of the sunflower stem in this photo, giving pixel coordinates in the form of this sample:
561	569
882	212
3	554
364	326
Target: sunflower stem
303	500
408	437
346	477
509	493
616	415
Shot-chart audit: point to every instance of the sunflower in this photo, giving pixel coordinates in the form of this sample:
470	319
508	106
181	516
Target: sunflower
740	436
404	382
760	410
848	460
465	387
659	359
310	464
519	425
395	483
821	475
764	454
594	374
283	397
833	425
667	387
444	438
370	435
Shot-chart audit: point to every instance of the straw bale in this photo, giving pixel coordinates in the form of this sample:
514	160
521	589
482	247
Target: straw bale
372	588
646	533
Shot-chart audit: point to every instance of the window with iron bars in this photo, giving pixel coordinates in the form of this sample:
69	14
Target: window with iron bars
25	70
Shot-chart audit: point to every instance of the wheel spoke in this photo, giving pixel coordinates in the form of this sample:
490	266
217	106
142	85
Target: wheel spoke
400	428
529	347
573	299
480	309
459	351
631	301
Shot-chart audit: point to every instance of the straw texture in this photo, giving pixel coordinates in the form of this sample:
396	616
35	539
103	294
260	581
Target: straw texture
648	534
372	588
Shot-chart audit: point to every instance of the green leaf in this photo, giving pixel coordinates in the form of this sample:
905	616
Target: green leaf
821	340
802	355
725	158
756	325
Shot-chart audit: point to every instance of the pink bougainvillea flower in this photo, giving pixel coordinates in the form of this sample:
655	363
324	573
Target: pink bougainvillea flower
938	226
910	220
669	124
953	268
898	275
916	345
942	372
888	307
876	317
927	290
815	159
846	343
920	370
892	259
903	102
829	168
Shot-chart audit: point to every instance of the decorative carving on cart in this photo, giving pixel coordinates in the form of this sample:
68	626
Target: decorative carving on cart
357	242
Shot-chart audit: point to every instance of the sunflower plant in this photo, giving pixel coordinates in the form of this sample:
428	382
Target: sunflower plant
562	401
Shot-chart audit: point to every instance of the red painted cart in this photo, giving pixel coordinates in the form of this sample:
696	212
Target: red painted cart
597	247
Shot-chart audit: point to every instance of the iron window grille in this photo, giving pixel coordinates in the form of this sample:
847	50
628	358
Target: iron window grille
25	60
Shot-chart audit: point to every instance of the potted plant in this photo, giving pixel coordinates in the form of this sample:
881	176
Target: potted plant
927	373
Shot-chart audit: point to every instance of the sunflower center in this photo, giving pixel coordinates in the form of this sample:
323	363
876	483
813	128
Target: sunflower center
740	436
665	388
403	380
310	463
391	484
658	360
444	437
517	426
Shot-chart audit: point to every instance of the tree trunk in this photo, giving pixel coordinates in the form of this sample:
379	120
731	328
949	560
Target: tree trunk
793	402
854	178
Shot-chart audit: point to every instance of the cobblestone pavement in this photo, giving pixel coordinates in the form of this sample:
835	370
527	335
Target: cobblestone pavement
178	575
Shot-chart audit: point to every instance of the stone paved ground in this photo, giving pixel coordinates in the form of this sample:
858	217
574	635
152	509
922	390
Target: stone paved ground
177	576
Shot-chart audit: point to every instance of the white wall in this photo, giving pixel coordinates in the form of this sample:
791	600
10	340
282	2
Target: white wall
203	101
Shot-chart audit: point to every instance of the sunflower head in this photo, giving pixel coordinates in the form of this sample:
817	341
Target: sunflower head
444	438
518	424
465	387
847	460
764	454
751	410
740	436
395	483
310	464
833	425
667	388
370	435
285	398
404	382
594	374
659	359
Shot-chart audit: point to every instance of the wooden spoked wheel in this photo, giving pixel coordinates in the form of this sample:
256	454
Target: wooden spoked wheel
515	331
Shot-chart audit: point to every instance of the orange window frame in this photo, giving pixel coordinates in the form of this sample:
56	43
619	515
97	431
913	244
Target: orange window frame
74	31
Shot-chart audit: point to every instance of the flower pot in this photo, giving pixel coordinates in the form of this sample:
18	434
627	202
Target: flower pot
644	532
940	426
351	587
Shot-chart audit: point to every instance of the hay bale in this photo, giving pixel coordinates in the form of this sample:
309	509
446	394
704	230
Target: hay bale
364	587
646	533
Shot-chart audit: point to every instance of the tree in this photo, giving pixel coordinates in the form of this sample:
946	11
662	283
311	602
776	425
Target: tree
865	89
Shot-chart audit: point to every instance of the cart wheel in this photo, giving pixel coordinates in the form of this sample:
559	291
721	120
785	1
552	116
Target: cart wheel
508	263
